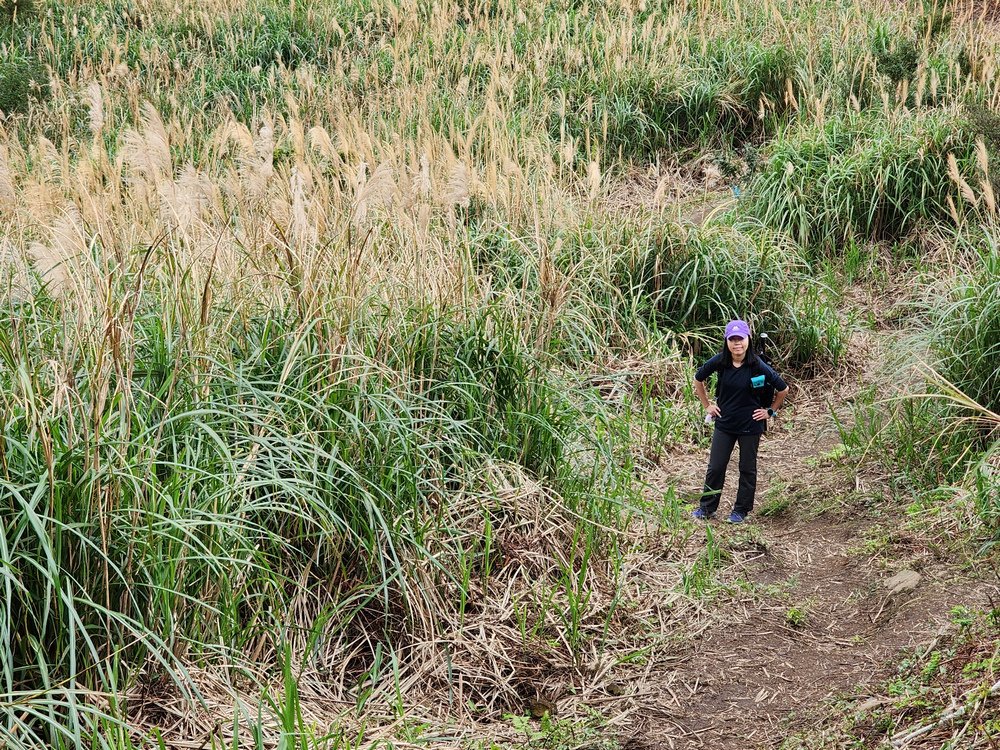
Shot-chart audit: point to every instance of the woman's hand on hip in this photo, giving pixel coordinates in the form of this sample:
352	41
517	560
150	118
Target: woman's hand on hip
760	415
713	411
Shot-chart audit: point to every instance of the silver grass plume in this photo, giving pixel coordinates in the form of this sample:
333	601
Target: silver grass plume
320	141
187	198
376	192
14	271
147	152
264	147
95	103
423	183
67	243
458	190
302	231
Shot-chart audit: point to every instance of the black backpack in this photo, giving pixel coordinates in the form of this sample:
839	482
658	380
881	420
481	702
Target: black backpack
764	393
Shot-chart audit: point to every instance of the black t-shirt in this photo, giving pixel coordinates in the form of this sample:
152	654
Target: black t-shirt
735	394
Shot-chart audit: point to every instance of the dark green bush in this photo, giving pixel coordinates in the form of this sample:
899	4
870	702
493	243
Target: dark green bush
22	82
897	61
717	96
861	175
17	10
983	122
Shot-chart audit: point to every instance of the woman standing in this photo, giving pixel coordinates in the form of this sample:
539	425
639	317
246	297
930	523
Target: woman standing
739	417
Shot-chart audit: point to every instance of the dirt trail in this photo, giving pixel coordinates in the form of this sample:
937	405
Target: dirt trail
805	616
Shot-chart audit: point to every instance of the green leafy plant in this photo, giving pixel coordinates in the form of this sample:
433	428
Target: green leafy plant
966	319
777	503
797	616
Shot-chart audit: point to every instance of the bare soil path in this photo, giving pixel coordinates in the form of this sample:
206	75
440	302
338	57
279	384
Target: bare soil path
801	615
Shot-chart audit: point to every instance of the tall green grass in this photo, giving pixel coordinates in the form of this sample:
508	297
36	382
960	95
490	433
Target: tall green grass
178	483
23	83
690	279
966	343
940	427
730	90
621	286
164	507
295	454
621	84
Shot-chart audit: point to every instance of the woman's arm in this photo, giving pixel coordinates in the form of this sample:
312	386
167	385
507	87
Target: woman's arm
702	394
779	398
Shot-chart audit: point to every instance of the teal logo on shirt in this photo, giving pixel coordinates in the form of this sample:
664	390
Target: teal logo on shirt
757	381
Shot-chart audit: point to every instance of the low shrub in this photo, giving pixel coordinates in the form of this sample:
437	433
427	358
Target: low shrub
895	58
983	122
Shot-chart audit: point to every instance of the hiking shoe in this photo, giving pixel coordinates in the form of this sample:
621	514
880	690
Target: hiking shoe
735	517
701	515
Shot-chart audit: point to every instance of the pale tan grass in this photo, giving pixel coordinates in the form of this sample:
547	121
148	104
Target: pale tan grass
50	266
954	173
146	152
188	201
15	274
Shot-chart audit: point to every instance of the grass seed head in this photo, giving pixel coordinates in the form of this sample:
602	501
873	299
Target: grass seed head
967	192
95	104
458	189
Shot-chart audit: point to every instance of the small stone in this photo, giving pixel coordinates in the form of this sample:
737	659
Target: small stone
615	688
871	703
904	580
541	705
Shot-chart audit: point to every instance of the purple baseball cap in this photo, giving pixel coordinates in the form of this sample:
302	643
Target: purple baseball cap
737	328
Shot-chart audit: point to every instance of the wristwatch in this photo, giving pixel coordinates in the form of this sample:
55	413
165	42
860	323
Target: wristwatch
771	413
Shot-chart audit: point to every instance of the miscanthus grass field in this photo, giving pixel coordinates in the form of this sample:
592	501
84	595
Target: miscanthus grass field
336	338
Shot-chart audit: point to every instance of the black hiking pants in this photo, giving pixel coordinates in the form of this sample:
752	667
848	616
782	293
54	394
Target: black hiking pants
718	459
